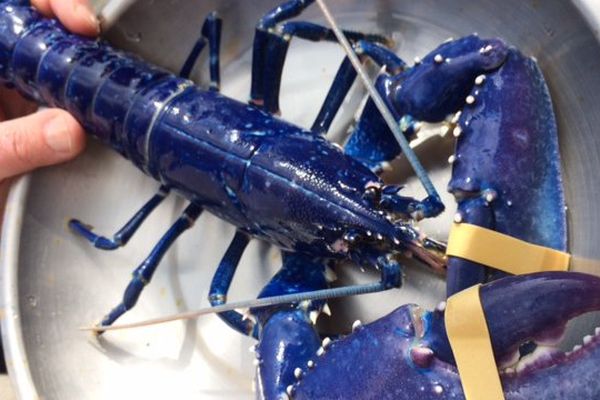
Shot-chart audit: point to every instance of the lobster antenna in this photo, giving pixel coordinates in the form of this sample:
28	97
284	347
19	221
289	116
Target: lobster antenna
324	294
381	106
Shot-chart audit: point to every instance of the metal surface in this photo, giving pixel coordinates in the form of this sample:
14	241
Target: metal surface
53	282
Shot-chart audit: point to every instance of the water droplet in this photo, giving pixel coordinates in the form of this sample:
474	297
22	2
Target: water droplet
32	300
135	37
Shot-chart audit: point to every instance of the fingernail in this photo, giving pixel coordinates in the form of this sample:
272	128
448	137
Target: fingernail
85	11
57	135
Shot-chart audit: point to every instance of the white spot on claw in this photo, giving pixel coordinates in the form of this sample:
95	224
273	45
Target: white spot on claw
456	117
356	325
298	373
470	99
441	307
438	58
480	79
438	389
458	218
486	49
457	131
490	195
451	159
326	342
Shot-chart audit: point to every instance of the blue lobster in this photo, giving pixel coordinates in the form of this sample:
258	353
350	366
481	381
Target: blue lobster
288	185
272	180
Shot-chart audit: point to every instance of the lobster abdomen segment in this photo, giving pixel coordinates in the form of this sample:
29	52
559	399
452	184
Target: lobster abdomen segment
94	82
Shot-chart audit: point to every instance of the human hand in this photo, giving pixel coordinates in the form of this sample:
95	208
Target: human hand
30	140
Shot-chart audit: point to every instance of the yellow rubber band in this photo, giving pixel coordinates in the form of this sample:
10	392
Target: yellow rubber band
503	252
470	341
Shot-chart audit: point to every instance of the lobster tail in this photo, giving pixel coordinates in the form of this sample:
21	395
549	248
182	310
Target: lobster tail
113	95
13	22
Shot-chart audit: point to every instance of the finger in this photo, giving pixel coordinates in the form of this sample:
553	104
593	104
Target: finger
77	16
43	6
44	138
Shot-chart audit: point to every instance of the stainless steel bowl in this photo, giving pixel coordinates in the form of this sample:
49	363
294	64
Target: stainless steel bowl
53	282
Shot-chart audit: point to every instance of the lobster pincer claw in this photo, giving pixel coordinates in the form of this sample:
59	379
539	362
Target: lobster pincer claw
411	346
430	91
391	272
388	199
431	206
506	174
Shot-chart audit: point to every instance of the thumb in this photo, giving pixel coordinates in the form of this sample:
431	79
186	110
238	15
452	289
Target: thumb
44	138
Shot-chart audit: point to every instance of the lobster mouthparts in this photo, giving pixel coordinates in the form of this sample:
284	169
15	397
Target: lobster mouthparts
406	355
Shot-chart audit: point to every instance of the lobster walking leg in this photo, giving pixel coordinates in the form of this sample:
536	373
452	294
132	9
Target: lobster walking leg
289	9
271	43
211	34
120	238
345	78
277	50
143	274
222	281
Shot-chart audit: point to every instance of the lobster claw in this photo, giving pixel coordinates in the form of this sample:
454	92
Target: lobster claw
388	199
540	307
506	174
406	355
429	91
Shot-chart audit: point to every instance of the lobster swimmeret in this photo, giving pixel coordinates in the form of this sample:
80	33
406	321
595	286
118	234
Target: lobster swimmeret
318	203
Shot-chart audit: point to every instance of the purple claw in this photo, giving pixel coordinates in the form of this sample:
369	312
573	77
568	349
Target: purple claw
406	355
506	174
